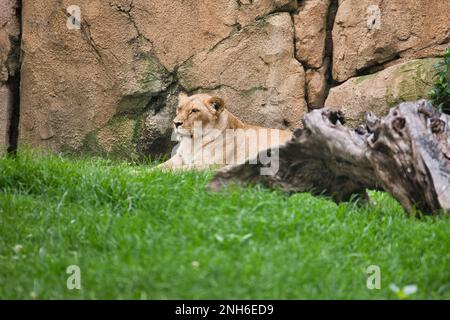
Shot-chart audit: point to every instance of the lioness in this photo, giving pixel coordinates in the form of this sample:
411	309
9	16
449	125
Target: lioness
211	136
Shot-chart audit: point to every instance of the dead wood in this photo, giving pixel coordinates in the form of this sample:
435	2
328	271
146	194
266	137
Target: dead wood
406	153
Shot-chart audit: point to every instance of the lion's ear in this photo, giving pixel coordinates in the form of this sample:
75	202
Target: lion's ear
216	103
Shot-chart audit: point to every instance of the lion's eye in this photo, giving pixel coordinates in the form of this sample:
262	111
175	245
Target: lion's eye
194	110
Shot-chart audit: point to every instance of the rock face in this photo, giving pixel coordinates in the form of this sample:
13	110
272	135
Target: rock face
76	83
274	97
180	29
108	83
316	86
310	32
108	87
312	24
368	33
379	92
5	114
9	64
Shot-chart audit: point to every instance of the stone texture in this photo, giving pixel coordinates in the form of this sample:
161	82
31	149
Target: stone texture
117	137
316	86
407	29
77	83
310	32
255	72
9	33
111	88
9	64
378	92
155	136
5	113
180	29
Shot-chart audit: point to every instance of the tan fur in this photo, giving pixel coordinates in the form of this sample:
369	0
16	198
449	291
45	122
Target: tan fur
227	139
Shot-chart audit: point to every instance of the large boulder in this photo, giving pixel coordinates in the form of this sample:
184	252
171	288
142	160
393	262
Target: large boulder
110	87
255	72
180	29
310	32
380	91
369	33
74	82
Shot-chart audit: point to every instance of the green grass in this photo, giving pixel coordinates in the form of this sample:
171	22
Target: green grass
141	233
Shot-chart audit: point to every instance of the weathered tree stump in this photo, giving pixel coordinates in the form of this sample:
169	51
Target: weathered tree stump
406	153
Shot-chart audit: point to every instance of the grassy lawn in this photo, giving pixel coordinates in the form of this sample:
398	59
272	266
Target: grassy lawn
141	233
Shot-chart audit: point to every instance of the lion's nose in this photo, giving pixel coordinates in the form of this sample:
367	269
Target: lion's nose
177	123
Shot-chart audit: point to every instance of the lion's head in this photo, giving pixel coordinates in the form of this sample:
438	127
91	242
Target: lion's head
198	108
